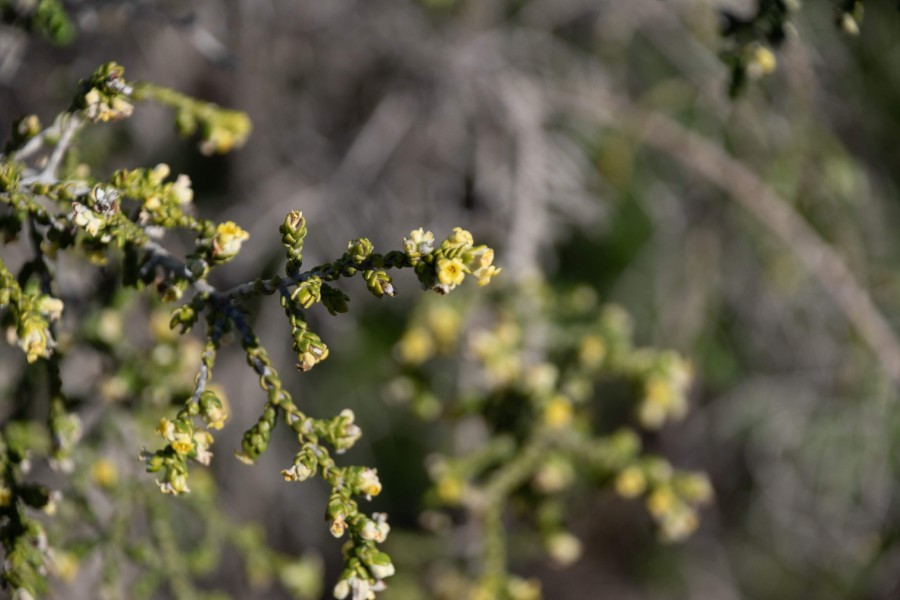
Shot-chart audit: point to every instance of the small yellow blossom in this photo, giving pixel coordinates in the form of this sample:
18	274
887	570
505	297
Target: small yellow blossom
182	442
450	272
558	412
229	130
479	262
214	408
415	347
762	62
662	501
631	482
459	238
165	429
444	323
450	489
65	565
591	351
679	524
227	241
104	473
694	487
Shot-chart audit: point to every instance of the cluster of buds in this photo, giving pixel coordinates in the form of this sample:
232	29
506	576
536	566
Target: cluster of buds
341	432
93	218
170	464
305	463
309	347
364	575
499	350
163	203
293	233
435	329
672	498
665	390
255	440
106	96
221	130
186	441
28	323
446	267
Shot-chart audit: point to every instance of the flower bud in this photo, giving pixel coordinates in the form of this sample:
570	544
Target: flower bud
227	241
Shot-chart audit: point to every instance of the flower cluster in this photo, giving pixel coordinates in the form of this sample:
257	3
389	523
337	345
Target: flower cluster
31	315
65	209
446	267
105	96
532	385
185	440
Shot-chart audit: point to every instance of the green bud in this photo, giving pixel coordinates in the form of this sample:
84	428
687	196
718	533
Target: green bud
293	230
183	317
360	249
379	283
308	292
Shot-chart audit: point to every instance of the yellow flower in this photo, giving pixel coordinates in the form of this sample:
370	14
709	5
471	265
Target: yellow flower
444	323
631	482
227	241
591	351
65	566
479	262
662	502
485	275
460	238
451	272
165	429
182	442
104	473
762	62
415	347
450	489
558	412
679	524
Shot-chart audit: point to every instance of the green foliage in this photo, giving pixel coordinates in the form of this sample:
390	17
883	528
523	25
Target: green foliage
537	387
47	17
123	221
